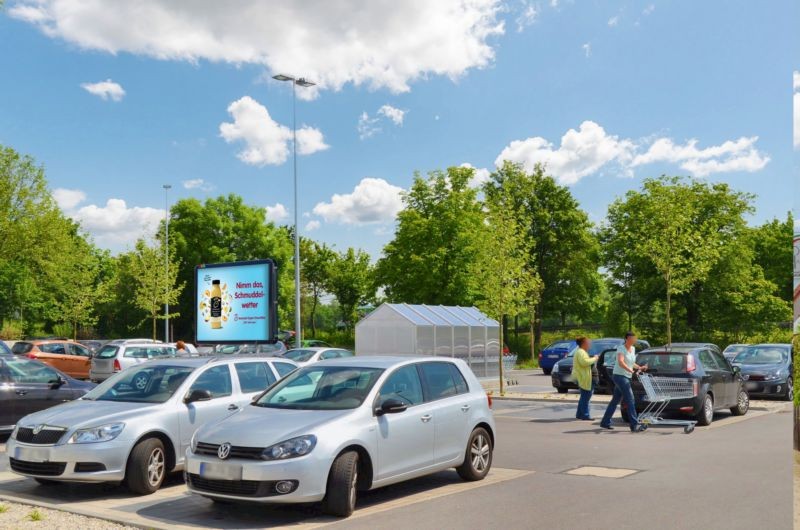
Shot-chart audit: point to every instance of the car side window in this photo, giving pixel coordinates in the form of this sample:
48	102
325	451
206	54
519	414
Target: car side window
403	384
136	353
254	377
721	362
708	360
438	380
344	353
283	368
458	377
216	380
330	354
31	372
77	349
53	348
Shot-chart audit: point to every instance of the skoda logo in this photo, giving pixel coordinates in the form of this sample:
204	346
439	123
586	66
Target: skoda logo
38	429
224	451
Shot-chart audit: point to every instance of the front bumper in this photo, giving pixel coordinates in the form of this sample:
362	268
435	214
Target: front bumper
253	480
774	388
563	380
45	461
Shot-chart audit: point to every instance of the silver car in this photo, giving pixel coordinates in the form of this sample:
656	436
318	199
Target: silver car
335	427
305	356
117	356
136	426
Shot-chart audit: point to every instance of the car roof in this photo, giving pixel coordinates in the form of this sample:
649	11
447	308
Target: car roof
771	344
380	361
317	348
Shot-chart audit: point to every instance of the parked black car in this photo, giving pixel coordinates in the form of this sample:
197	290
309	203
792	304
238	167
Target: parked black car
767	370
27	386
562	371
717	384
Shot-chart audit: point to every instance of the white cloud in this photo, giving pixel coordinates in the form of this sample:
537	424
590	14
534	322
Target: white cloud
68	199
367	126
373	200
266	141
613	21
115	225
796	98
331	43
527	16
105	90
393	113
197	184
590	150
312	225
276	213
587	49
480	176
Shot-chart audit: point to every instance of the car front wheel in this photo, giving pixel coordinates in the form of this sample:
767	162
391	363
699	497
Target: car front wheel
147	467
547	371
789	396
340	497
478	457
706	414
742	403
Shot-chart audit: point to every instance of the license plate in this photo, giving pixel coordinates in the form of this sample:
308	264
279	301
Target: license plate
31	454
214	470
553	356
752	386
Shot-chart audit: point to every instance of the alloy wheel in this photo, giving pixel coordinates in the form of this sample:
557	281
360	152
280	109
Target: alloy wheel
789	390
708	409
744	401
480	453
353	485
155	467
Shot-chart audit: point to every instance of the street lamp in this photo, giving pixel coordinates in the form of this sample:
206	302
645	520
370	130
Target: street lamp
303	83
166	187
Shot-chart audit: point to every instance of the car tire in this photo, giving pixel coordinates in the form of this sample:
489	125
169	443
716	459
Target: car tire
547	371
742	403
340	495
46	481
477	457
147	467
789	395
706	414
562	390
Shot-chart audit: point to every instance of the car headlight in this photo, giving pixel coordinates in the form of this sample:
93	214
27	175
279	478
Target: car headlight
14	432
292	448
104	433
193	443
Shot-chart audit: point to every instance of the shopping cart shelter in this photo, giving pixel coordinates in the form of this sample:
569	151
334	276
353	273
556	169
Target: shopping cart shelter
445	331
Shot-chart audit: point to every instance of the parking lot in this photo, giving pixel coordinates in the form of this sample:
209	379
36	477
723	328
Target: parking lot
549	471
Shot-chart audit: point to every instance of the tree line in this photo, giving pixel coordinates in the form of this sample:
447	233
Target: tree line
673	258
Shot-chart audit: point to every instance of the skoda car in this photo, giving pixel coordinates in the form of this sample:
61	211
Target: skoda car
333	428
767	370
136	426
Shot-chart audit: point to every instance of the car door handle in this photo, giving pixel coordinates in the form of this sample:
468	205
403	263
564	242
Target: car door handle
426	418
233	407
465	408
21	392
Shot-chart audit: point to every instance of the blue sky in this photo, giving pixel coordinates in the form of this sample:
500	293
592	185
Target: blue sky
637	82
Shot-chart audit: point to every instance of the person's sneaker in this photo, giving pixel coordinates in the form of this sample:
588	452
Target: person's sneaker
638	428
586	419
609	427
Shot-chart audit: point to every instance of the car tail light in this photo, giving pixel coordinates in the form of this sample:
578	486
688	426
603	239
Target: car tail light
117	366
489	399
31	355
540	356
686	409
695	387
691	366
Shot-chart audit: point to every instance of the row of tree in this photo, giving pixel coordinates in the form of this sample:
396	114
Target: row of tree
675	257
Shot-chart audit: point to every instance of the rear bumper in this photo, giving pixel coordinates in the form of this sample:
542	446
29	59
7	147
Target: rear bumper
98	376
688	406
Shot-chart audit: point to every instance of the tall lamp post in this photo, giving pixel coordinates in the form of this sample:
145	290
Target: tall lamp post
303	83
166	187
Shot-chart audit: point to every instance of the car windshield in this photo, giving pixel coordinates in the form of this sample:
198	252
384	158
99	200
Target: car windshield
21	347
736	348
150	384
762	355
663	362
599	347
299	356
321	388
107	352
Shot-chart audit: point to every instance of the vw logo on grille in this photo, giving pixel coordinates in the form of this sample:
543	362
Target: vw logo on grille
38	428
224	451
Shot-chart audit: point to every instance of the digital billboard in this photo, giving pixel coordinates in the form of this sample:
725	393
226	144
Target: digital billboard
236	302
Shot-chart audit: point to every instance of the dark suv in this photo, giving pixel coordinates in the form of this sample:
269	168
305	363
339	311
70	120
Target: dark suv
562	371
717	384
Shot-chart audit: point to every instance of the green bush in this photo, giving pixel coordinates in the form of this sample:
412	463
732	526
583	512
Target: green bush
338	339
62	330
11	330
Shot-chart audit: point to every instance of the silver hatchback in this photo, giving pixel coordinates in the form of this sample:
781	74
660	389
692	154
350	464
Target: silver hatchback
117	356
137	425
335	427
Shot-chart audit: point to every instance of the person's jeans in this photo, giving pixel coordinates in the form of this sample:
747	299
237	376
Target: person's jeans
583	403
622	392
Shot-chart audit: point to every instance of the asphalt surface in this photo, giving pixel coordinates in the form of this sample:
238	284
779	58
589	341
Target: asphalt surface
735	474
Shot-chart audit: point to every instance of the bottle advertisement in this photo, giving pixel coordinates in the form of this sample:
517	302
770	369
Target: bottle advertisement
235	302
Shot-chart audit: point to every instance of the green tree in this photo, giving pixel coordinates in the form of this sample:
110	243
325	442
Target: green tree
681	227
774	254
155	286
564	253
351	283
316	260
436	242
82	289
506	284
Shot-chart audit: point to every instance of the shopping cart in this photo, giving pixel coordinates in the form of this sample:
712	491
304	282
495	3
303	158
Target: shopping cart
659	391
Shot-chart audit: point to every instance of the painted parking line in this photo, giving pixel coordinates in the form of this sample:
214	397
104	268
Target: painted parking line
173	507
603	472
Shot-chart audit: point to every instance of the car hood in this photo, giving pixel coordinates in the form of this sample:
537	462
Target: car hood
83	413
261	427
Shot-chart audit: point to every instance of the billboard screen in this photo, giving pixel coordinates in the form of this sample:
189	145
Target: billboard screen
235	302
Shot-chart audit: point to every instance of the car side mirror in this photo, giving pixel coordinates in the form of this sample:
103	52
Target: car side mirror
737	370
391	406
57	383
197	394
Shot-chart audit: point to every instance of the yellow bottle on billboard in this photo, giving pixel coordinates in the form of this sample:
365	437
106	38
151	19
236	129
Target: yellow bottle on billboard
216	305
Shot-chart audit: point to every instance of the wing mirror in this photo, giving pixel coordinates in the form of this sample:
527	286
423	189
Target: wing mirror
391	406
737	369
57	383
197	395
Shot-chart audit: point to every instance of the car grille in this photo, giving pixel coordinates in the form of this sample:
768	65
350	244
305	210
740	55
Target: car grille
47	436
244	488
565	369
756	377
45	469
89	467
251	453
